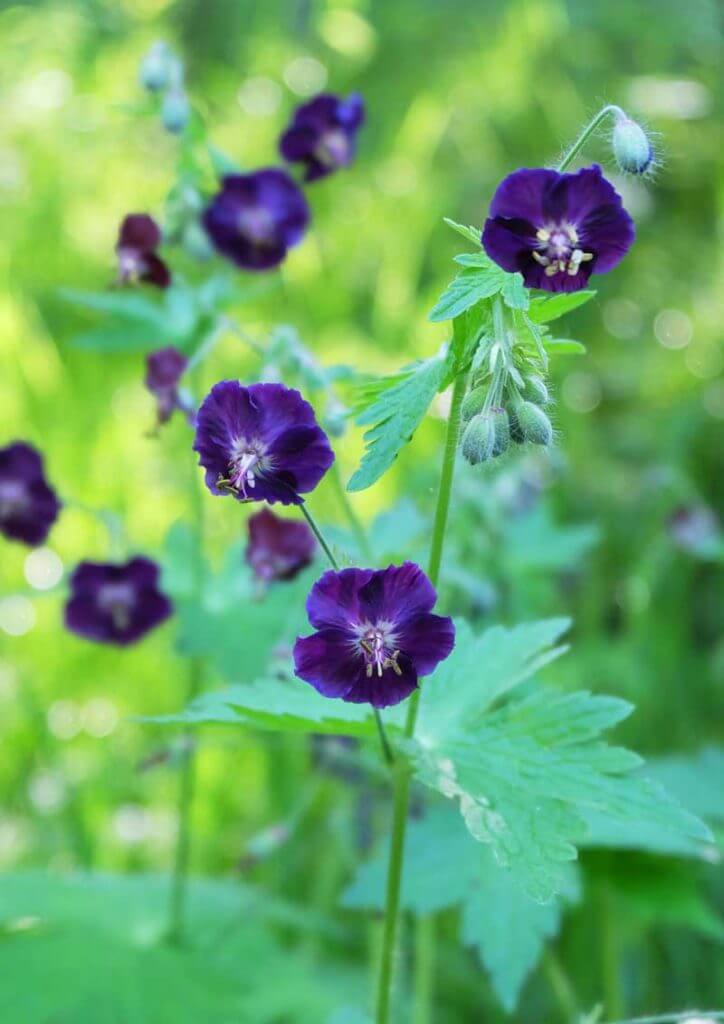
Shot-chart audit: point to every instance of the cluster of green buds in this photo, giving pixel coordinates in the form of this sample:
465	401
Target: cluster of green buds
162	72
497	417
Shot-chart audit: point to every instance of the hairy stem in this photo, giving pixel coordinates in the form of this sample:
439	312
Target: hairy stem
595	122
402	773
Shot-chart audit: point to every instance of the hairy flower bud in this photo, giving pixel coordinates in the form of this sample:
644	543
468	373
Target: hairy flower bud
155	69
631	146
486	436
536	390
473	403
532	423
175	110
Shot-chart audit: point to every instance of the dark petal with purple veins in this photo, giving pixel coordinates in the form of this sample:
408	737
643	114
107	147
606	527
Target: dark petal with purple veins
164	368
385	690
508	246
298	143
428	639
522	195
155	271
535	277
116	604
334	598
139	232
226	413
582	193
322	134
28	504
609	232
397	593
304	454
328	660
278	549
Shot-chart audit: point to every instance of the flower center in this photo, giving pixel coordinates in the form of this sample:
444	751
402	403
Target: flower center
13	497
117	599
378	647
333	148
248	461
131	265
558	251
257	225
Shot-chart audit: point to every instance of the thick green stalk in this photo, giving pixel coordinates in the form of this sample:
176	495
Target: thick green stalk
402	773
573	151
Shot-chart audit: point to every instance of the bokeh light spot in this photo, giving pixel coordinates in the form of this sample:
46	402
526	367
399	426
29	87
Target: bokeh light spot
260	97
305	76
673	329
581	391
43	568
17	615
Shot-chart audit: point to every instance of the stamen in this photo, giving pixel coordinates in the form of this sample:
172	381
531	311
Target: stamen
559	252
543	260
543	235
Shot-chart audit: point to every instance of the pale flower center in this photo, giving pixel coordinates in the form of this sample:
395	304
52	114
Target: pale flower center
377	644
333	148
117	599
558	251
257	225
13	497
248	460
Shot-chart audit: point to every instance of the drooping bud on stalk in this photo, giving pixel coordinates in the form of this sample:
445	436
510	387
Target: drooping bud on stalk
473	403
486	436
175	110
631	145
155	69
532	424
536	390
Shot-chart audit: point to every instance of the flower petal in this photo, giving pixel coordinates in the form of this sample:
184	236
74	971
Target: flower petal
328	660
334	598
428	639
521	196
395	593
385	690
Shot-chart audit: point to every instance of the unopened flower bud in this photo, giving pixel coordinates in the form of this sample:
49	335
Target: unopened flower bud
631	146
532	423
154	72
473	403
175	110
486	436
536	390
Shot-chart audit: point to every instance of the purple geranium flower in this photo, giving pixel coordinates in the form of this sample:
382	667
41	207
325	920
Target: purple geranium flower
256	218
375	634
138	239
557	229
28	504
164	369
260	443
116	604
322	134
278	548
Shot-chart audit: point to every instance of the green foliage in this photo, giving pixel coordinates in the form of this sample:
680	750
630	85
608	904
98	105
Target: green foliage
526	774
481	279
66	962
545	308
506	927
397	407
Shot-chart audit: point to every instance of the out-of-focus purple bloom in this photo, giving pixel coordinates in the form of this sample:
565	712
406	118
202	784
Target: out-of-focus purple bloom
116	604
28	504
375	634
323	134
138	239
278	548
164	369
695	528
557	229
256	218
260	443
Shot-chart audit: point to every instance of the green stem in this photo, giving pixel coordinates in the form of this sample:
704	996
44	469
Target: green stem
561	986
424	969
402	775
573	151
352	518
318	534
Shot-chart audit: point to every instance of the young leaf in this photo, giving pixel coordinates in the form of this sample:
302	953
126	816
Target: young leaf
563	347
515	294
472	234
545	308
395	413
465	290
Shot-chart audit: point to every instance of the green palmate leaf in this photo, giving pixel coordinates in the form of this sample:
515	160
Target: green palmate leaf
545	308
536	542
65	962
525	775
283	703
507	928
119	337
515	294
696	779
395	413
465	290
472	234
126	303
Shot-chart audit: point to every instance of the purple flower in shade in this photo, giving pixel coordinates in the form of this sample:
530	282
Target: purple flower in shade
138	239
375	634
164	369
116	604
322	134
260	443
557	229
278	548
256	218
28	504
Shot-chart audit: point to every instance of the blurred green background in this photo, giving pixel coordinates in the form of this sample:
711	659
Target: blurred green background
458	94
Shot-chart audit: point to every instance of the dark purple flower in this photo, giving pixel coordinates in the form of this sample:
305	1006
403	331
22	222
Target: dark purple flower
138	239
695	528
323	134
115	604
164	369
375	634
278	548
557	229
256	218
260	443
28	504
